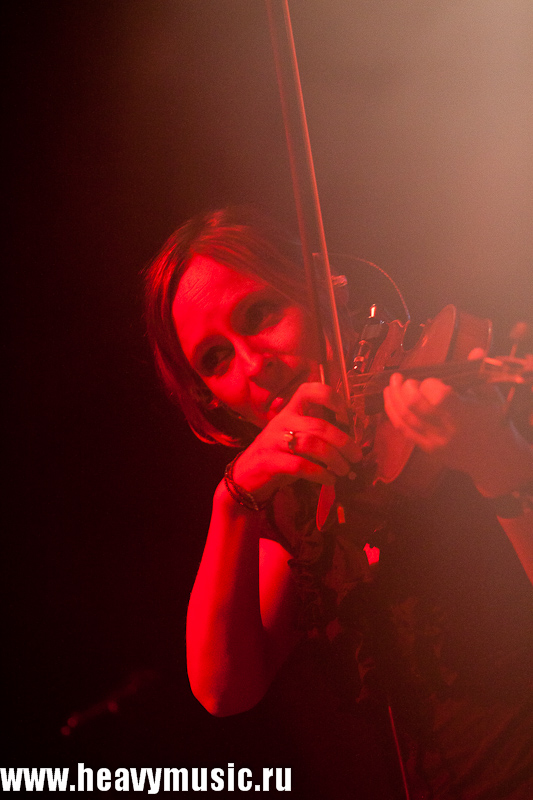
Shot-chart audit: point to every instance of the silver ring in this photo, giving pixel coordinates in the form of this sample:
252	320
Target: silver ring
291	438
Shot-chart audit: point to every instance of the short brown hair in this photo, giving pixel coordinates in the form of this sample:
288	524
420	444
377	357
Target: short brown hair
244	240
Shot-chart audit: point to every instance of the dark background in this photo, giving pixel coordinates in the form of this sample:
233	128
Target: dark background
123	119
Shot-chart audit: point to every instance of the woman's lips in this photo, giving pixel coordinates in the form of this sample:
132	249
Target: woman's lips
281	397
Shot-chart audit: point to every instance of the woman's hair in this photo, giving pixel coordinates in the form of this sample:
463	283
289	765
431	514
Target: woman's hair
239	238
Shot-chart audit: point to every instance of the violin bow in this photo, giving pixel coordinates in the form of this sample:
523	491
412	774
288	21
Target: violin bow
310	224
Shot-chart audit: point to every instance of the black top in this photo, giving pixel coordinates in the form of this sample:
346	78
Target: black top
440	632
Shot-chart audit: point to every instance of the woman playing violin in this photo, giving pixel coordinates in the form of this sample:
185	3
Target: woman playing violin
436	633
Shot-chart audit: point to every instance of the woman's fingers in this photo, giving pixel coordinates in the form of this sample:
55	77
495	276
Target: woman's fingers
424	411
476	353
305	444
303	412
308	469
309	395
320	432
314	439
298	443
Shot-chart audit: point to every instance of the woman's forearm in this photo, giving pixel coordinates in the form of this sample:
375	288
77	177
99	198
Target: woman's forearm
228	650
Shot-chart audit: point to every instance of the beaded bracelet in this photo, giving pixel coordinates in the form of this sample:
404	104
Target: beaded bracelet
240	495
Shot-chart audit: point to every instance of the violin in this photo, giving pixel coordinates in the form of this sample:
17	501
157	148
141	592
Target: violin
445	343
442	351
392	465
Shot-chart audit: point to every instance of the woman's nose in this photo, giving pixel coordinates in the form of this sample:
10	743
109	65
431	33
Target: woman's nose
252	360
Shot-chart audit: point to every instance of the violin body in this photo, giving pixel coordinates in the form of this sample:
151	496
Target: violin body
448	338
393	465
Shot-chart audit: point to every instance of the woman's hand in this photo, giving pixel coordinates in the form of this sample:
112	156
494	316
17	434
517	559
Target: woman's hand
242	615
467	433
298	443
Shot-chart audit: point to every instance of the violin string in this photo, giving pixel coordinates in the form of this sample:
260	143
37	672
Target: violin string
457	370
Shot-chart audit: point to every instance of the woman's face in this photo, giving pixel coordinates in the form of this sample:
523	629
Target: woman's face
251	346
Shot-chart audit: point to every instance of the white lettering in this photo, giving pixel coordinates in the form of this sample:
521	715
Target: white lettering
203	785
103	780
242	773
174	779
283	785
138	779
57	779
217	779
267	774
154	780
34	779
122	779
180	779
82	772
11	779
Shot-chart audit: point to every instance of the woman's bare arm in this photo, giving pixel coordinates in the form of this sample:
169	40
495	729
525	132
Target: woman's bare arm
240	624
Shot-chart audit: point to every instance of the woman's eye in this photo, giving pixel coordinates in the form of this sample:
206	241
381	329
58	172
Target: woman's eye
263	315
215	360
